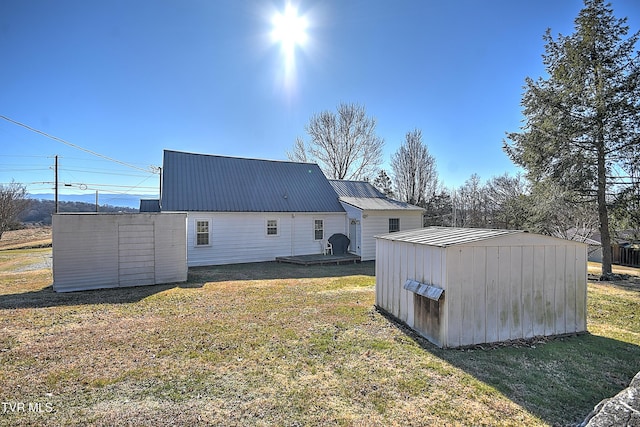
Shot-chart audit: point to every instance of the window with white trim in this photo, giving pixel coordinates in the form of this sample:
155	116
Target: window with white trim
202	232
394	225
318	229
272	227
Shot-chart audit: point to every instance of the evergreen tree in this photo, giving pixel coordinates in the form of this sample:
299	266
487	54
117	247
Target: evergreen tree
383	183
583	121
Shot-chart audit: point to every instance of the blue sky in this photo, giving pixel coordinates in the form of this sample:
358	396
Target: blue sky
127	79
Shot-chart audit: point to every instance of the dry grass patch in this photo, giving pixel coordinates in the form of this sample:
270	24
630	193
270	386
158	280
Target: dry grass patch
275	344
30	237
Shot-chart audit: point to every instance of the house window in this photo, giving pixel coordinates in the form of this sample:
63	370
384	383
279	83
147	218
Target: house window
318	229
394	225
272	227
202	233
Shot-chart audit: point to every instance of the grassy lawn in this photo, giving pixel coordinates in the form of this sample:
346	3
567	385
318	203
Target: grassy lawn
275	344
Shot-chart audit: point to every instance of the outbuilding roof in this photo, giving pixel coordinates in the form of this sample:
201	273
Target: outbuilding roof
446	236
365	196
202	182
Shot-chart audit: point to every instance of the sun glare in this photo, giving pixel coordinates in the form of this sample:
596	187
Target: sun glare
289	29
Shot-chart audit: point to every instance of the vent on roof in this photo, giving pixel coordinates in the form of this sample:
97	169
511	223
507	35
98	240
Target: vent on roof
423	289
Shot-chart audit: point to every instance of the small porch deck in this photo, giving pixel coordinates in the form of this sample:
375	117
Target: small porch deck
319	259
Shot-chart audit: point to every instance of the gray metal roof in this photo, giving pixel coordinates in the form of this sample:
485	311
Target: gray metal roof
355	188
201	182
149	205
378	204
365	196
445	236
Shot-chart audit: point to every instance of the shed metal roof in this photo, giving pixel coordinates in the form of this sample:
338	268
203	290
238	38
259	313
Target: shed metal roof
201	182
446	236
365	196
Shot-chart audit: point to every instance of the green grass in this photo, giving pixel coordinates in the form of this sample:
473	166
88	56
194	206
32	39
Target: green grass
276	344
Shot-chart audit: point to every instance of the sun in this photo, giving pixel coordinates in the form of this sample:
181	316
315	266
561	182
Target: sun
289	30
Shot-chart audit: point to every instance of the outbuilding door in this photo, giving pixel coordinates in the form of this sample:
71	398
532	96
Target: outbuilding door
136	254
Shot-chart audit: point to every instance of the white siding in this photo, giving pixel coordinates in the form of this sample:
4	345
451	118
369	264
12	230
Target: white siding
515	286
395	263
241	237
92	251
377	222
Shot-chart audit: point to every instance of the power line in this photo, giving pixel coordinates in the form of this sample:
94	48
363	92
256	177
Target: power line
55	138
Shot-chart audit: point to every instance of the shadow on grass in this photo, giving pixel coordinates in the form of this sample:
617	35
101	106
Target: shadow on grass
197	277
276	271
47	297
560	379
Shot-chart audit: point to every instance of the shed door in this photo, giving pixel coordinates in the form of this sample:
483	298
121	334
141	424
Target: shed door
136	254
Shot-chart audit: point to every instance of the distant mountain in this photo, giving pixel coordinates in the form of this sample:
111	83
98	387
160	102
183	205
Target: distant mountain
40	210
124	200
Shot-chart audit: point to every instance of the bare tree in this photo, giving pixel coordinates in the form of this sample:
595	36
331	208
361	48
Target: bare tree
299	152
506	201
560	212
13	200
344	145
470	203
414	170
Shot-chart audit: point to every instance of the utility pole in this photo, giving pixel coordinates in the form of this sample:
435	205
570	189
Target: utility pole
56	183
96	200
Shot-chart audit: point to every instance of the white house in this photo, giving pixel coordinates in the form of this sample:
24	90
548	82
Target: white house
249	210
370	212
460	287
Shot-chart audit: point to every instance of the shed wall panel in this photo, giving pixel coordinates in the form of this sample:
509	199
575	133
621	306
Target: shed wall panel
516	308
527	292
452	308
479	294
538	290
493	294
549	290
468	304
560	308
581	289
504	293
570	289
92	251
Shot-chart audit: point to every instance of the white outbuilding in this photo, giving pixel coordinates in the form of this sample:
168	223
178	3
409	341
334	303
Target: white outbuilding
93	251
460	286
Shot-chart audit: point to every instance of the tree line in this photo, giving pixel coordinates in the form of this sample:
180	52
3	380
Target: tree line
579	146
17	209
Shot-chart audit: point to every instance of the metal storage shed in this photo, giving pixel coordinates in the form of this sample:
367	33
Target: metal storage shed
459	286
92	251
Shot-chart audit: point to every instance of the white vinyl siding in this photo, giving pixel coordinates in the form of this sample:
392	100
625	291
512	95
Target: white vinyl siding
240	237
377	222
